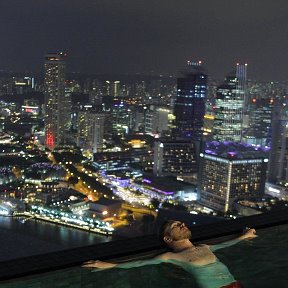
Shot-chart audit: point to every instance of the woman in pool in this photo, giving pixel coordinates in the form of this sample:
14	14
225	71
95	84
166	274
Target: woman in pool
198	260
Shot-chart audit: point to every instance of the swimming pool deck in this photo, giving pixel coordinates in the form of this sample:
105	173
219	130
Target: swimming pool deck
133	248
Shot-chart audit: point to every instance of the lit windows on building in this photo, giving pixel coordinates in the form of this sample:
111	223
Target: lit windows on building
259	121
230	171
229	106
189	108
278	161
56	109
90	132
175	158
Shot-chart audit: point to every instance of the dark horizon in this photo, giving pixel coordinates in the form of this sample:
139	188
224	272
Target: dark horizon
128	37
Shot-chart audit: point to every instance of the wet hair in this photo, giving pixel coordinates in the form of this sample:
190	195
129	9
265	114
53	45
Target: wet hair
164	230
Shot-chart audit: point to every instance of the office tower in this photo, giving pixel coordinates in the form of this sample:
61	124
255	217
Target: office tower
90	132
138	121
55	119
67	109
208	127
122	117
96	93
189	108
278	166
116	88
259	119
107	88
157	121
23	85
230	171
175	158
229	106
140	91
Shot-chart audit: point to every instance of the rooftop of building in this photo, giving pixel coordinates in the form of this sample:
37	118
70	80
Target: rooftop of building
164	183
106	202
193	68
177	141
235	150
106	156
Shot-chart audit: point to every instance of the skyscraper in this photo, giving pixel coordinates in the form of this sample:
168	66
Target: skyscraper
122	117
55	102
229	106
157	120
230	171
189	108
260	117
278	162
90	131
175	158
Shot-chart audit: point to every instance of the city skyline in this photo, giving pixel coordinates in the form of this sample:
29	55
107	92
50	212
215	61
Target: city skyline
146	36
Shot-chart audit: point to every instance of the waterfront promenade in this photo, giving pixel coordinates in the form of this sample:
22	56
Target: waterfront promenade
36	237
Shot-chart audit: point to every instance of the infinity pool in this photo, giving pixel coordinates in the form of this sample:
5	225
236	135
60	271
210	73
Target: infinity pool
261	262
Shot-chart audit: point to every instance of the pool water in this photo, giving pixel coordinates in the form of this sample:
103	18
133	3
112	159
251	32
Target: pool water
164	275
261	262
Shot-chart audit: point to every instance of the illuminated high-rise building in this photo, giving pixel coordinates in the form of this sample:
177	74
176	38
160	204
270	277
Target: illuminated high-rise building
175	158
116	88
260	117
122	117
208	127
157	121
229	106
23	85
55	102
231	171
189	108
90	131
278	166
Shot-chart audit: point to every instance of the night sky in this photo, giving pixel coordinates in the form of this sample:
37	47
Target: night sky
128	36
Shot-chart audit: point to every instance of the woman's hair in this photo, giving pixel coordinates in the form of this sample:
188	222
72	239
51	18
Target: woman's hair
164	229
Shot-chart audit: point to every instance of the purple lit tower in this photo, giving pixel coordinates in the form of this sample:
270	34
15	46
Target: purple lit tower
231	171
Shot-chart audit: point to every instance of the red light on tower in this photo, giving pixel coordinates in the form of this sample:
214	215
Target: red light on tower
50	140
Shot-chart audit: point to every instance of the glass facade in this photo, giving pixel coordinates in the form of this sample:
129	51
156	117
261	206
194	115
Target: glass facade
260	118
229	107
278	166
189	106
90	131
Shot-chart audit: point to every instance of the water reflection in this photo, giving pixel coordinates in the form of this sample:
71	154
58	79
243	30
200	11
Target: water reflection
37	236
